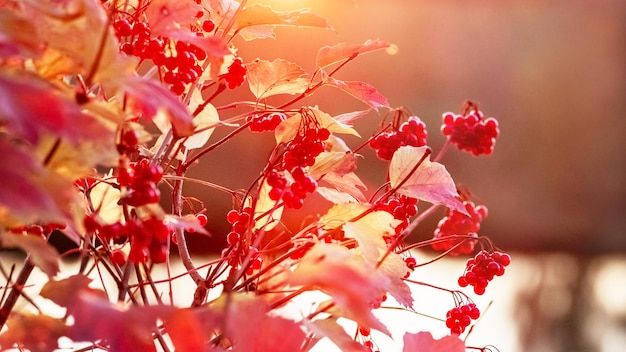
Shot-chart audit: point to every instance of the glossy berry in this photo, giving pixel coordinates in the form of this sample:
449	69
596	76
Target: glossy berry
459	318
457	223
471	132
481	269
236	74
265	122
412	133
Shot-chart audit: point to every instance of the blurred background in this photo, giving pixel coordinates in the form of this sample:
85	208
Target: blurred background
553	74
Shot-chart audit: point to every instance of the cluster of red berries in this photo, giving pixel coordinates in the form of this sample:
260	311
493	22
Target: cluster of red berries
412	132
294	193
140	182
456	223
40	230
177	60
305	147
265	122
240	221
401	207
471	132
148	238
481	269
459	318
236	74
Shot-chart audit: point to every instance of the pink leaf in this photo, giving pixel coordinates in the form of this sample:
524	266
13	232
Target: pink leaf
360	90
277	77
430	182
424	342
337	334
329	55
41	253
150	97
164	15
353	283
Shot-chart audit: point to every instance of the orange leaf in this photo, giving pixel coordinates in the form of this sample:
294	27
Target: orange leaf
36	333
41	253
329	55
430	182
277	77
19	36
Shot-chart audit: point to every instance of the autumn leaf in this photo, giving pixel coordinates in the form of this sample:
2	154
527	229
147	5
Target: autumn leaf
280	76
63	292
430	182
339	162
251	17
360	90
268	206
40	252
18	36
149	97
336	333
329	55
424	342
349	184
164	15
287	129
340	214
353	283
35	333
185	331
205	122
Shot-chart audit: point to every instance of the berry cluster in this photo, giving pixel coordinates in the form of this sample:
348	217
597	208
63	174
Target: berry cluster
412	132
481	269
140	181
401	207
305	147
294	193
177	60
459	318
236	74
471	132
265	122
148	238
239	248
456	223
240	221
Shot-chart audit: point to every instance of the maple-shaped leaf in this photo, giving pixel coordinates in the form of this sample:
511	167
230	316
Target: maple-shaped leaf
352	282
251	328
430	182
149	97
40	252
349	184
267	78
63	292
205	122
339	162
365	92
18	35
329	55
424	342
35	333
336	333
164	15
340	214
369	231
258	15
31	193
287	129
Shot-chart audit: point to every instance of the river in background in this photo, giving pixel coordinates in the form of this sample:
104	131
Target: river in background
550	302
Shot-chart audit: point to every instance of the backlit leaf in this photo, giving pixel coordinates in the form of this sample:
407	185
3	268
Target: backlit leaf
329	55
166	14
424	342
206	120
337	334
430	182
339	162
18	35
149	97
40	252
353	283
287	129
360	90
369	232
35	333
280	76
264	205
349	184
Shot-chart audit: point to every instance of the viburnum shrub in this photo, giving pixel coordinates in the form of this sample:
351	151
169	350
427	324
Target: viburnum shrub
105	106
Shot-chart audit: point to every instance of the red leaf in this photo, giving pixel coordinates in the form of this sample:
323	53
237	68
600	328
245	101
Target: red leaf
329	55
164	15
184	330
337	334
20	331
424	342
150	97
430	182
277	77
353	283
360	90
40	252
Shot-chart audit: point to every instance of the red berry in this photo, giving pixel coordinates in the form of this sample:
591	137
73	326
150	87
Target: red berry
202	219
